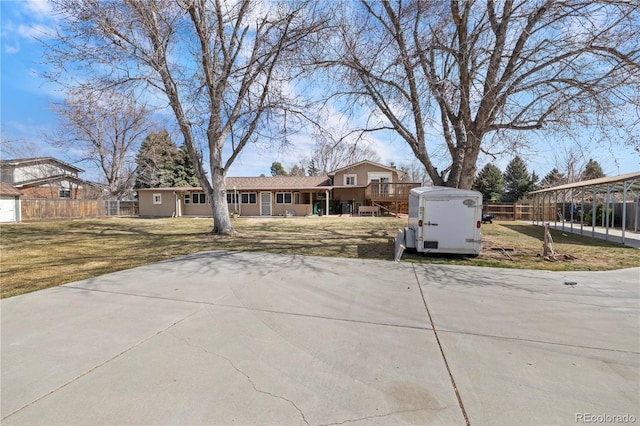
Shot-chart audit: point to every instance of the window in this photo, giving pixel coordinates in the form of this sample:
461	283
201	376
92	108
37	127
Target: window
157	198
350	180
232	198
283	198
249	198
65	193
296	198
196	198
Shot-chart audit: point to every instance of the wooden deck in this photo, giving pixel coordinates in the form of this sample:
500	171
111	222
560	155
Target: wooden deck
386	191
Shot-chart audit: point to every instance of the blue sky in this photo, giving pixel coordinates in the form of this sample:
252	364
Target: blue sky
26	114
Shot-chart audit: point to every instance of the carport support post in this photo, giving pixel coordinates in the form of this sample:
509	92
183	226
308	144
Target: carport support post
572	209
555	210
593	214
624	209
564	207
581	210
606	211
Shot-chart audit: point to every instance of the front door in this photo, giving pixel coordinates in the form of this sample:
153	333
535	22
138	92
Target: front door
265	204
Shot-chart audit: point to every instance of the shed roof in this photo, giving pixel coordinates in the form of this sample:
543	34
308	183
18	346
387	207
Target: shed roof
615	183
8	189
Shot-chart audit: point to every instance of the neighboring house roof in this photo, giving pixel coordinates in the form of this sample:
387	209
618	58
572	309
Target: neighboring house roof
38	160
382	166
270	183
8	189
57	178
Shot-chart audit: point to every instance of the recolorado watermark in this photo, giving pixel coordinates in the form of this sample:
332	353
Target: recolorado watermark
605	418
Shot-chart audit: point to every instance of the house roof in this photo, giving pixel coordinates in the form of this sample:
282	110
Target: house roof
278	182
38	160
270	183
382	166
8	189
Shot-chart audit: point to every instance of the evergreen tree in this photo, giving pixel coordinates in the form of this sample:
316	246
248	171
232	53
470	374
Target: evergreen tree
535	184
161	164
312	170
277	169
490	183
517	181
183	173
592	170
554	178
156	155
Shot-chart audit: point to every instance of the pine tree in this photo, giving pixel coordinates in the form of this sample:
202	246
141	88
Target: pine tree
156	155
554	178
592	170
161	164
490	183
517	181
183	173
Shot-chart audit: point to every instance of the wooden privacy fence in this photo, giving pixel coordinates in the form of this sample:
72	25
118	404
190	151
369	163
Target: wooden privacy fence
47	208
503	211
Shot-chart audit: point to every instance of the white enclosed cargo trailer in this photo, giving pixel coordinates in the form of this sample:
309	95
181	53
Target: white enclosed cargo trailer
443	220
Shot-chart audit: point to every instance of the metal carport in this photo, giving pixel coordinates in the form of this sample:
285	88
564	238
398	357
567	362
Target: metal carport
607	189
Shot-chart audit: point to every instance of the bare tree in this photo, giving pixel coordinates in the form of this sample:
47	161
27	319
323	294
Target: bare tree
224	67
471	69
332	153
106	128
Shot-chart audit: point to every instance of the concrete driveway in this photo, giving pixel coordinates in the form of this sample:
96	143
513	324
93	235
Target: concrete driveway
255	338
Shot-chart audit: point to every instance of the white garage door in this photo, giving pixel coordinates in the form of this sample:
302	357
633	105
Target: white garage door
7	210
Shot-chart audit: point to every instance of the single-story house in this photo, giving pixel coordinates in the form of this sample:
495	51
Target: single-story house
346	190
9	203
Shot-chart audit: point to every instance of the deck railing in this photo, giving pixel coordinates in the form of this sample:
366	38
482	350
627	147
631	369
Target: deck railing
388	191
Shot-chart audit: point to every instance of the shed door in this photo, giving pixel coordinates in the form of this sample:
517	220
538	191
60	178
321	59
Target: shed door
265	204
7	210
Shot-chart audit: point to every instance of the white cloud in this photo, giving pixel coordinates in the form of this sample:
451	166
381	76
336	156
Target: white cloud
40	8
12	49
35	31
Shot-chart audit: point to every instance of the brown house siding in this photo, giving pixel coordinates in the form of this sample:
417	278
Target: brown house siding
50	192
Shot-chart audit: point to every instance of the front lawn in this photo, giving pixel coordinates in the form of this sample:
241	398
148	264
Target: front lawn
38	255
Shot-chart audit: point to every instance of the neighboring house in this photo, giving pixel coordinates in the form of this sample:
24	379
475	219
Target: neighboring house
45	177
364	186
9	203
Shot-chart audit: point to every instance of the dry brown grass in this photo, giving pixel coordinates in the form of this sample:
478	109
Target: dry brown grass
34	256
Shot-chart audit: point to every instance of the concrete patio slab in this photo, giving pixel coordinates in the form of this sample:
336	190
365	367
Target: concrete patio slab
255	338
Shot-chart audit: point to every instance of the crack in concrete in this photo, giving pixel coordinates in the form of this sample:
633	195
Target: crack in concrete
375	416
254	309
293	404
102	364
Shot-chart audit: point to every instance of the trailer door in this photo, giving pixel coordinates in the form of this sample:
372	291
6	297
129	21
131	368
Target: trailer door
449	225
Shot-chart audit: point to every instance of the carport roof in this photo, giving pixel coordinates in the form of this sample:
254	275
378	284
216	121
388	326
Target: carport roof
615	183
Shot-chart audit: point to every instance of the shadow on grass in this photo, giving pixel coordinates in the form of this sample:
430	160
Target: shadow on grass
560	237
